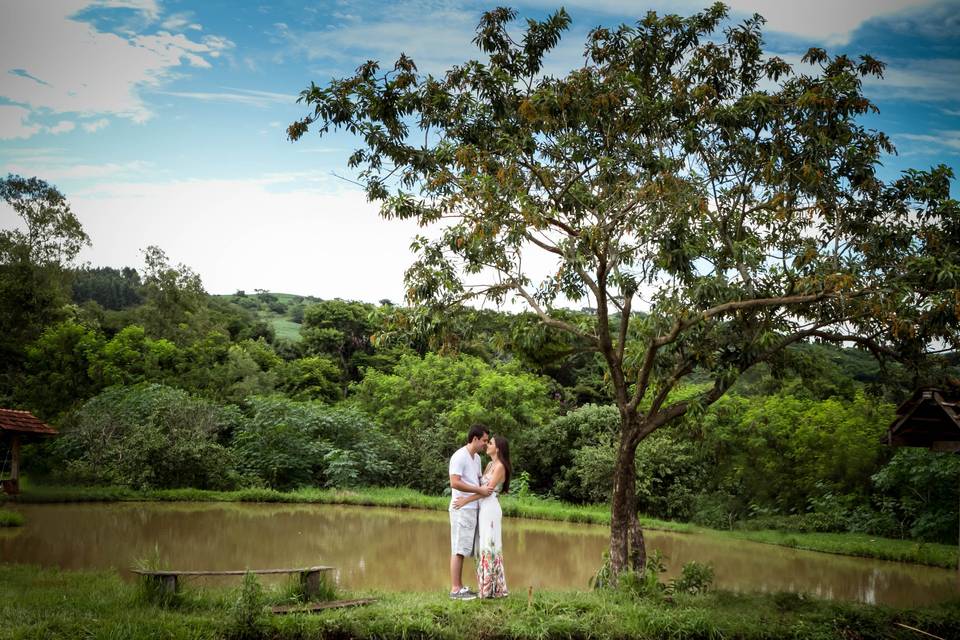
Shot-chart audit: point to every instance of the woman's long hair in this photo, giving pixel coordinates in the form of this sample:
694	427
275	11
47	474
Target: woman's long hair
503	454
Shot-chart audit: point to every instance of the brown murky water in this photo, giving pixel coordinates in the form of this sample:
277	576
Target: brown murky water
399	550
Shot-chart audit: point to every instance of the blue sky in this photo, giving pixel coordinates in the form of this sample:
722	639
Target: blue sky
163	121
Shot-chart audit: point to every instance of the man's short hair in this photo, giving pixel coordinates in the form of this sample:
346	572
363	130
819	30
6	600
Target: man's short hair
477	431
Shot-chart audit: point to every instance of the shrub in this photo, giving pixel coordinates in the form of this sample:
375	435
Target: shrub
288	444
148	436
246	620
695	578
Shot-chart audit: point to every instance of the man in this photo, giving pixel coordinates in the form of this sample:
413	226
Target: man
465	480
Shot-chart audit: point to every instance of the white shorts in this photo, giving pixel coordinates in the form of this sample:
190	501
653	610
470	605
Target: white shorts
463	531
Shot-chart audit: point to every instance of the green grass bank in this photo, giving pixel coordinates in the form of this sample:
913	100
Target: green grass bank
852	544
49	604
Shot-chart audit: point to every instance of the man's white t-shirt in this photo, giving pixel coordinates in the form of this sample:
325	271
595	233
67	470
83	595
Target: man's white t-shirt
468	468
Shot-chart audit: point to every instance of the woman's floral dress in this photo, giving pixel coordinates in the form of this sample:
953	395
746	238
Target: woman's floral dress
491	581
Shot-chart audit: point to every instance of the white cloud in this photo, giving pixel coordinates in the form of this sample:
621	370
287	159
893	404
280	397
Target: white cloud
238	96
64	126
918	79
179	21
57	169
13	122
942	139
56	63
434	40
96	125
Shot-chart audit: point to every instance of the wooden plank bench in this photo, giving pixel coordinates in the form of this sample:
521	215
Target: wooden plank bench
168	578
321	606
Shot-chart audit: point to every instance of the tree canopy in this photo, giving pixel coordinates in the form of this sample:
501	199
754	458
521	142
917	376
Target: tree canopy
733	199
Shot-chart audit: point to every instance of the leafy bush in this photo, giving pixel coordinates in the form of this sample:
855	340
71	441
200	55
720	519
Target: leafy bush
148	436
716	510
918	490
289	444
566	448
695	578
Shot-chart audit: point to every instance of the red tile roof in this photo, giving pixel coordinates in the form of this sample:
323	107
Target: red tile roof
23	422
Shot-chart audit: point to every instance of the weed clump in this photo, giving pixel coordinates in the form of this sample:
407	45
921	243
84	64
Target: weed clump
247	619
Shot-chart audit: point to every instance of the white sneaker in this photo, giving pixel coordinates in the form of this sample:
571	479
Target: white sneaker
463	594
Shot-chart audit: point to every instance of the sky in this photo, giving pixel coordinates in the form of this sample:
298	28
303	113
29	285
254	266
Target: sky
163	121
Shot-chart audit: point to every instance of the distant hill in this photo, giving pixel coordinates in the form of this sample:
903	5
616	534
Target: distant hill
284	311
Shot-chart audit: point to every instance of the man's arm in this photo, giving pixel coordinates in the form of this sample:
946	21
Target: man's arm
457	483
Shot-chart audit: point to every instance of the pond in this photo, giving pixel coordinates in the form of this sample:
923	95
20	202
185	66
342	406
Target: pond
407	550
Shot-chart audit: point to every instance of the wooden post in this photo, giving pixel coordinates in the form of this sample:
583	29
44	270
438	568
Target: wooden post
169	583
15	464
310	580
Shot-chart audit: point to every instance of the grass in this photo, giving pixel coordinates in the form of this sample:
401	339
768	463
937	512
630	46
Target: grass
283	327
10	518
45	603
855	544
852	544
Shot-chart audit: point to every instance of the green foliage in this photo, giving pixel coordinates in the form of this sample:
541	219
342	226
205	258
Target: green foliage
636	585
429	403
339	329
780	451
175	302
695	579
34	259
110	288
131	357
311	378
63	368
918	490
148	436
287	444
520	486
247	617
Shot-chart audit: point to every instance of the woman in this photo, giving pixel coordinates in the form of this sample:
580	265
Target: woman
491	582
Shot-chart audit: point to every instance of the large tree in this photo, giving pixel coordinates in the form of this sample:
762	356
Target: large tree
732	200
34	259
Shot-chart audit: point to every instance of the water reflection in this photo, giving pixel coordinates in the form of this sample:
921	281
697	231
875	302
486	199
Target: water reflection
407	550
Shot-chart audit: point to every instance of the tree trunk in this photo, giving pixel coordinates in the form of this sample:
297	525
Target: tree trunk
627	550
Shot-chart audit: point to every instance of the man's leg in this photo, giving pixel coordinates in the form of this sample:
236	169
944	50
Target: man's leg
456	573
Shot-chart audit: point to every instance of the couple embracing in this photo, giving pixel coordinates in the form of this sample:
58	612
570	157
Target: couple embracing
475	513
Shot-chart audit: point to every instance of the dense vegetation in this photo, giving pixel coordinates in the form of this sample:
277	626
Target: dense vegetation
156	384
